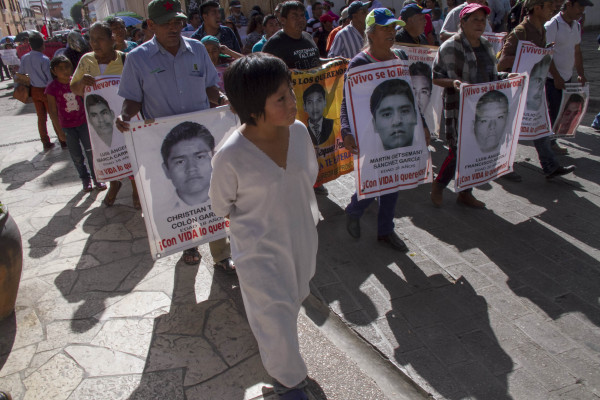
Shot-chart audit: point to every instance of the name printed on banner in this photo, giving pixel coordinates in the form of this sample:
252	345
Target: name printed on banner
396	159
102	85
326	151
483	174
370	76
495	86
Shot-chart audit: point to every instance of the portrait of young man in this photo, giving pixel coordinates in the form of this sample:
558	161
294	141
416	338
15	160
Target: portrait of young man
392	106
491	121
567	120
186	152
421	78
101	117
314	99
537	81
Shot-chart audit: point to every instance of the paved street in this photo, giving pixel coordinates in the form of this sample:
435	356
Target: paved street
501	303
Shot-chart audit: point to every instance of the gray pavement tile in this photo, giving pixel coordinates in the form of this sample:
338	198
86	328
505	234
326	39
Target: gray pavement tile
340	300
524	386
542	331
571	302
508	306
581	330
537	300
399	333
479	382
487	351
448	348
476	279
577	391
541	282
583	366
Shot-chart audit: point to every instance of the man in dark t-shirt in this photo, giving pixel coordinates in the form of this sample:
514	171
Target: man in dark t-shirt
294	46
414	30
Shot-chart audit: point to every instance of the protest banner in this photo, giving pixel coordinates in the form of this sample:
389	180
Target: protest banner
535	61
429	96
319	93
171	161
495	39
9	57
489	122
102	105
388	129
572	109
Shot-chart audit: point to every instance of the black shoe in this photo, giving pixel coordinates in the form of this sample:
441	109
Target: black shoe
513	177
353	226
63	145
321	191
560	171
393	241
48	146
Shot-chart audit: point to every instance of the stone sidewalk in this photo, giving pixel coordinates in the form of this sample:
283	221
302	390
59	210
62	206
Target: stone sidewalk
501	303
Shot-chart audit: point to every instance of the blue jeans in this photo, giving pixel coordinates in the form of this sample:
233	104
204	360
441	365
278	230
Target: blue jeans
385	216
546	154
77	137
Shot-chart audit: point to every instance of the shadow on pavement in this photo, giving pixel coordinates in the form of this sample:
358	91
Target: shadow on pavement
359	279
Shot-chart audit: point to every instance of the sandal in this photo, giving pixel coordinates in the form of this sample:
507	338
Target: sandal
111	195
226	265
191	256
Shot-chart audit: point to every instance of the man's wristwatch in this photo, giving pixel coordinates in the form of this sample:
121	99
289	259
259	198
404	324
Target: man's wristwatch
222	99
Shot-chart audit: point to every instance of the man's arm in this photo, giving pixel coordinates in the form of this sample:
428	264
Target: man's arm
509	51
579	65
78	87
215	96
130	108
559	82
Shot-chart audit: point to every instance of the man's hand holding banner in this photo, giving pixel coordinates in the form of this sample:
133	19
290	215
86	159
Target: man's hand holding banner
388	128
489	125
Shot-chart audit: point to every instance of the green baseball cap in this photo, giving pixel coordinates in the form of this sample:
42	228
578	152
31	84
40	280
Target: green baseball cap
162	11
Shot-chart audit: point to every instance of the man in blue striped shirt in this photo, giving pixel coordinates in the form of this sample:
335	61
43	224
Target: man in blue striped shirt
350	40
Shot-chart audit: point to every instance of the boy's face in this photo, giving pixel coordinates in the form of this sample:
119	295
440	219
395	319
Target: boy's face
189	169
102	118
280	107
490	124
212	17
294	22
535	92
271	27
395	120
422	88
314	106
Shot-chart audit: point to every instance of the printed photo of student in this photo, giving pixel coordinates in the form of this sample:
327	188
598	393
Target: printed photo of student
567	121
186	153
315	102
537	81
421	78
491	117
394	116
101	117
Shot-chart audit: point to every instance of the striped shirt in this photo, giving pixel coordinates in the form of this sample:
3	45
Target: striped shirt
347	43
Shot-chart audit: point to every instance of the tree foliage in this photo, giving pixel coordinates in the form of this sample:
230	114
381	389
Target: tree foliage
76	12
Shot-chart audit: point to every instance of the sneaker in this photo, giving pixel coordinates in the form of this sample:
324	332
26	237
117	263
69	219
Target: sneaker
560	171
100	186
87	186
321	191
48	146
560	150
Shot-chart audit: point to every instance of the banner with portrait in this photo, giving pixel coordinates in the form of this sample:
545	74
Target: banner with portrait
535	61
102	105
572	109
388	128
9	57
171	160
429	96
495	39
319	93
490	114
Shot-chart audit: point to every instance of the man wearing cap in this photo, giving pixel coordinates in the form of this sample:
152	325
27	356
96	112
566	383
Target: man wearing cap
414	30
171	75
452	21
565	32
212	26
292	44
466	57
343	22
532	30
350	40
320	37
235	14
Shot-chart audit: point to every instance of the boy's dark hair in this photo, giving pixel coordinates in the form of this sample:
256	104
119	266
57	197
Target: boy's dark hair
145	24
291	5
575	98
59	59
250	80
419	68
387	88
494	96
205	6
436	13
36	41
115	21
94	99
192	13
185	131
314	88
267	18
103	26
